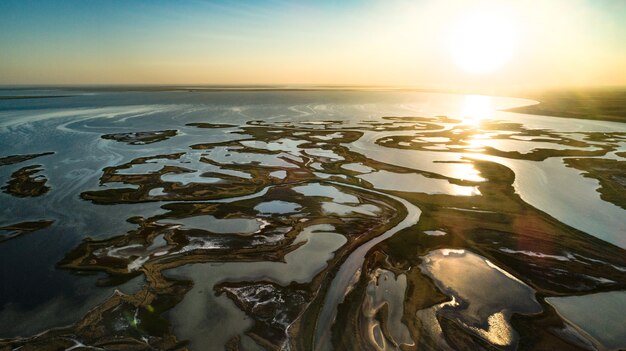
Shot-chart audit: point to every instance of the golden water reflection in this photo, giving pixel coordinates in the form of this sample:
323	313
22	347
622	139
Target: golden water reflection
476	108
466	171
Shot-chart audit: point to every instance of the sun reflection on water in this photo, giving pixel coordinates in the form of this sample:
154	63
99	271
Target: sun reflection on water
466	171
476	108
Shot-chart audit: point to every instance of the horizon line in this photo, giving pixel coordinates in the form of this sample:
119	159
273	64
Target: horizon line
296	87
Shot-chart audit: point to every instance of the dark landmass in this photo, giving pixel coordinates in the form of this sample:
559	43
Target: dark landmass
19	229
601	104
9	160
141	138
25	182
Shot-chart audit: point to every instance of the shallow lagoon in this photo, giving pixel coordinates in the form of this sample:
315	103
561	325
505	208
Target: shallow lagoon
324	199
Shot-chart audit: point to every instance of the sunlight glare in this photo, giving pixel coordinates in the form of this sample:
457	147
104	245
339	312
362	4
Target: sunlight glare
465	171
476	108
482	42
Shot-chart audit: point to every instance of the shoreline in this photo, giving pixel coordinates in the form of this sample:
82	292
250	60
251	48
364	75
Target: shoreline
592	104
607	104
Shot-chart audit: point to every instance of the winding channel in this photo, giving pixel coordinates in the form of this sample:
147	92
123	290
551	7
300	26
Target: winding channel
345	277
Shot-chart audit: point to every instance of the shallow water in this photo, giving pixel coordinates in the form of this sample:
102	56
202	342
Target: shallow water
470	280
564	194
387	290
416	183
277	206
318	199
589	313
206	319
219	225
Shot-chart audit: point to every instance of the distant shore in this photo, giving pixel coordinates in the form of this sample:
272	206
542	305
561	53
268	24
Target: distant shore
597	104
607	104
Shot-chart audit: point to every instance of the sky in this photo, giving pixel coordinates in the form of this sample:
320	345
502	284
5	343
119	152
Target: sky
418	43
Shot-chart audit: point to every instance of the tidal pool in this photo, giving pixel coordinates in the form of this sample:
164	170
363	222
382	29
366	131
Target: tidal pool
386	290
277	207
470	280
416	183
357	167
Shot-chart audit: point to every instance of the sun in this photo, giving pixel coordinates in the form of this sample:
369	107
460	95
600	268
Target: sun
482	42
